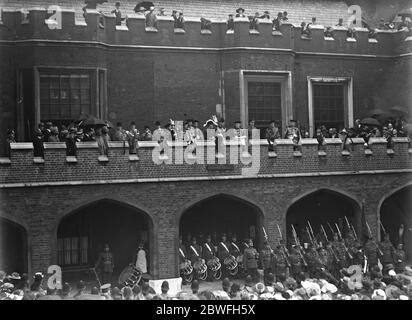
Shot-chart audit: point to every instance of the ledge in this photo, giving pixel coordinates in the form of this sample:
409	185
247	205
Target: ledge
205	31
254	31
205	143
21	146
333	141
179	31
277	33
230	31
103	158
147	144
284	142
358	141
235	142
54	145
329	38
71	159
379	140
321	153
390	152
372	40
80	23
118	144
260	142
122	28
272	154
401	139
368	152
351	40
151	29
297	154
38	160
87	145
4	160
177	143
345	153
133	157
309	141
246	155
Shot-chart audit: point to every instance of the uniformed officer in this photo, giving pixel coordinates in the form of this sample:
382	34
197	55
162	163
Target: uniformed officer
280	263
399	258
223	252
371	253
313	261
272	133
250	260
266	259
295	262
388	251
105	263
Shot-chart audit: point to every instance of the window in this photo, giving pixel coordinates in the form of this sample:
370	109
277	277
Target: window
73	251
328	100
264	103
64	96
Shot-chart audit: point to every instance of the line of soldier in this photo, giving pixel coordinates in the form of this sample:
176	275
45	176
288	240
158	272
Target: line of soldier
318	257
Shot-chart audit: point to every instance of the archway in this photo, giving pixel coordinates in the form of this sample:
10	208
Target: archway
13	247
222	214
322	207
394	211
82	235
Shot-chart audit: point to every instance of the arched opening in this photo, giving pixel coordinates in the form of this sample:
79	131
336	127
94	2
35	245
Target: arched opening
82	235
13	247
222	214
394	211
325	208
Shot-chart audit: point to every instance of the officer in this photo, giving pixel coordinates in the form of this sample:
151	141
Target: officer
250	260
280	264
399	258
105	263
208	249
183	256
223	252
234	247
388	251
295	262
266	259
371	252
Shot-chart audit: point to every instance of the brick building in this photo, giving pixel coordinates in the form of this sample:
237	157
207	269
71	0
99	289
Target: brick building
61	210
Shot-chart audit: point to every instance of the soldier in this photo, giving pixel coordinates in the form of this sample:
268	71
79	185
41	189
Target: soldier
371	253
223	252
295	261
195	251
266	259
183	256
208	249
280	263
340	251
399	258
388	251
106	261
356	251
250	260
234	247
313	260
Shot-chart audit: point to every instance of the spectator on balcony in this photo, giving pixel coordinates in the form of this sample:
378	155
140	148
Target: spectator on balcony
332	133
89	135
404	24
277	22
328	32
351	33
293	133
272	133
340	23
159	134
151	19
198	134
230	22
388	135
147	134
140	10
132	137
313	22
161	12
102	141
47	131
174	14
54	135
205	24
321	139
285	16
118	14
79	134
346	140
10	139
266	15
305	30
38	139
254	22
179	21
251	127
71	149
120	134
240	13
63	132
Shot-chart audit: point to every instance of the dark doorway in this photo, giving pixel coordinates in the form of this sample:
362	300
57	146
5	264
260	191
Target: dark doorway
396	210
322	207
13	247
83	234
221	214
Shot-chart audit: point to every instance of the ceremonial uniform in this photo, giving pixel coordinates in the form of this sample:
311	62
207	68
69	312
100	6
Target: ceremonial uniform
208	251
223	252
340	251
250	261
387	250
266	260
280	264
183	254
195	253
295	263
399	260
234	249
371	253
313	261
106	263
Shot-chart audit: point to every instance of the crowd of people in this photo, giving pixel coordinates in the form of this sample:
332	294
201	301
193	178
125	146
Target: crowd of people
213	129
277	21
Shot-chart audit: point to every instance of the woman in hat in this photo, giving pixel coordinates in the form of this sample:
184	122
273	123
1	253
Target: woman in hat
240	13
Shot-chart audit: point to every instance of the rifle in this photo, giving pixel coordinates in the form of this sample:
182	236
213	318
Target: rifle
313	235
343	242
281	238
297	242
283	254
383	228
354	232
331	230
97	277
370	234
310	237
326	237
348	224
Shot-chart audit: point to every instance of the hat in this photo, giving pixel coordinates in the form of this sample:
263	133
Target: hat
344	131
14	276
392	273
266	12
165	285
379	294
157	123
240	9
259	288
38	275
105	287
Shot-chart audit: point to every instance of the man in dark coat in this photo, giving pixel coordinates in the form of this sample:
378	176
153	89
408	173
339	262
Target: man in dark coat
38	147
105	263
388	251
250	260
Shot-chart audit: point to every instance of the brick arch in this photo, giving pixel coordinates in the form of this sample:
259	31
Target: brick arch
151	221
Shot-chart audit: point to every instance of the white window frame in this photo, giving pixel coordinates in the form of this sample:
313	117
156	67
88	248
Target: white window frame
282	77
348	99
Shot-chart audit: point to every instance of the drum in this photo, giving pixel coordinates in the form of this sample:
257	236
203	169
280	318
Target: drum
130	276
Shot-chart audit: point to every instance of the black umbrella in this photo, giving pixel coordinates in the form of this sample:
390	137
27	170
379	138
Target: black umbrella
92	122
370	122
398	110
405	13
145	4
376	112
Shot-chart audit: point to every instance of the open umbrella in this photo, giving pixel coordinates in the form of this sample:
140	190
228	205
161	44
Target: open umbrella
370	122
398	110
92	121
145	4
376	112
405	13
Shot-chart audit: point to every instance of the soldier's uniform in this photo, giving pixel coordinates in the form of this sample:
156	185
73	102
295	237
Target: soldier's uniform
183	254
371	253
399	260
195	253
105	262
208	251
313	261
223	252
250	262
266	260
339	248
295	262
357	253
387	250
280	264
234	249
